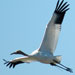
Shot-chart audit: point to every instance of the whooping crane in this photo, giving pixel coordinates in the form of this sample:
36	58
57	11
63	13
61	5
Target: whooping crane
44	54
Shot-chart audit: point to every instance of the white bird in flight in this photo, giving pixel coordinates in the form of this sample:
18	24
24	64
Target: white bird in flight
44	54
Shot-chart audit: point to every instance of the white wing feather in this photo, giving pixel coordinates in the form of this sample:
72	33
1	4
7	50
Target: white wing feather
51	36
53	28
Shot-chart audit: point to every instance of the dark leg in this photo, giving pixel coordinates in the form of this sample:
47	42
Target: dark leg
63	67
57	66
66	68
60	67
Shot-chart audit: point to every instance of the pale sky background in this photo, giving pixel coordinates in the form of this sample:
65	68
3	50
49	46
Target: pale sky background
22	26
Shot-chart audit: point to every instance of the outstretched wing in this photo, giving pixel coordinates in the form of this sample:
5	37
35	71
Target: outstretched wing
12	63
17	61
53	28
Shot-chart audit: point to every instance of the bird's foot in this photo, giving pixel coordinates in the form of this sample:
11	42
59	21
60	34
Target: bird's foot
69	69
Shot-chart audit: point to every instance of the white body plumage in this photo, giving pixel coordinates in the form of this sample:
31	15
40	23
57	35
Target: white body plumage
44	54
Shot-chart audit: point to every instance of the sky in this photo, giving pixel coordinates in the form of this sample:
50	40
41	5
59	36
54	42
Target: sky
22	26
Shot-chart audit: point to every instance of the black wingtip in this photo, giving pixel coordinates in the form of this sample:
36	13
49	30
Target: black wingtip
5	61
60	4
60	10
64	9
11	64
57	4
61	7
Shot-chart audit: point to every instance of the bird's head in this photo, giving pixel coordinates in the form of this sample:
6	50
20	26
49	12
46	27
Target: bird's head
19	52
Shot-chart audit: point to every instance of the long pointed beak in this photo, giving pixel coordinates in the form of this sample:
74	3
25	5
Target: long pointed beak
19	52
